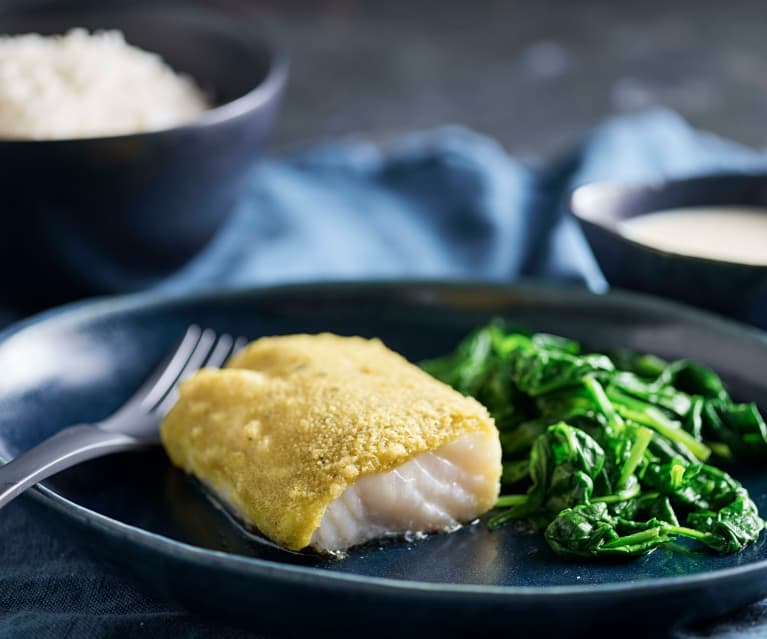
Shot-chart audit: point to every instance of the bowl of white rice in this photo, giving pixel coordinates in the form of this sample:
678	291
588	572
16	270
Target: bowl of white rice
126	135
84	84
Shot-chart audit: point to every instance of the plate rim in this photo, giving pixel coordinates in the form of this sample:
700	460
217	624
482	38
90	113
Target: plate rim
308	575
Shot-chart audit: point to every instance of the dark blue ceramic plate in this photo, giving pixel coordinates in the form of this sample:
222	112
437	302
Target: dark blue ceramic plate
135	510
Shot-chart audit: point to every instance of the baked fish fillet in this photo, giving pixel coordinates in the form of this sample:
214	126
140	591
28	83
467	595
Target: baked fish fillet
329	442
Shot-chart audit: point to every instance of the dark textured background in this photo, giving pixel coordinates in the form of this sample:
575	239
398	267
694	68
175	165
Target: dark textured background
533	74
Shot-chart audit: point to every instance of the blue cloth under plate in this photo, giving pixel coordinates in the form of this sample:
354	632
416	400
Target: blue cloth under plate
446	203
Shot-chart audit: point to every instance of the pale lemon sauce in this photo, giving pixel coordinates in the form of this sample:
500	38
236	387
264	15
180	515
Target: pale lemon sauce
733	234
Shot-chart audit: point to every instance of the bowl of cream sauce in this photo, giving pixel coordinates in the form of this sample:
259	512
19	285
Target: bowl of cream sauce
702	240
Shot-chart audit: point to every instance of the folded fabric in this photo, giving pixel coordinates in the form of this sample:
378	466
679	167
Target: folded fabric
446	203
443	204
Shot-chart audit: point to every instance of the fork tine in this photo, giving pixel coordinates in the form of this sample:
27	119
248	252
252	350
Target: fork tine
239	344
220	352
224	347
196	360
165	374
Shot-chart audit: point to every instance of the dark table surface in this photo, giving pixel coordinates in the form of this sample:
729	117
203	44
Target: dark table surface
534	75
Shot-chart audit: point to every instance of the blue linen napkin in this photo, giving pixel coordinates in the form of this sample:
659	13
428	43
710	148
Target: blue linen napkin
446	203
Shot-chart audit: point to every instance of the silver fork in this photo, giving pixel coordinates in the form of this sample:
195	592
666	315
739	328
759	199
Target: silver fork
134	425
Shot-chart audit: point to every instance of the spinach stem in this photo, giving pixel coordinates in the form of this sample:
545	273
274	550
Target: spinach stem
623	495
506	501
603	402
690	533
721	449
636	538
656	420
640	442
501	518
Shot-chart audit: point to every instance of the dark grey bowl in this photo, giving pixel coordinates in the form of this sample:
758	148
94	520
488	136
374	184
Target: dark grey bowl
99	215
731	289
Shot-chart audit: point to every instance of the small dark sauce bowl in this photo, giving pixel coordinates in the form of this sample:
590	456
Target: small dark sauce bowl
732	289
101	215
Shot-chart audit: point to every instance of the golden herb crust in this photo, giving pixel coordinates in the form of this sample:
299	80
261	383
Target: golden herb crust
293	420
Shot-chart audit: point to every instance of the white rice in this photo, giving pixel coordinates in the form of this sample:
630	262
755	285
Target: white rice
88	85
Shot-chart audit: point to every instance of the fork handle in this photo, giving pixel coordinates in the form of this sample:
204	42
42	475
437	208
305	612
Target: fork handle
66	448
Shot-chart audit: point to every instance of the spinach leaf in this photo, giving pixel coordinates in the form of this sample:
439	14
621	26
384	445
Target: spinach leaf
648	367
739	426
613	450
699	485
692	378
589	530
536	371
730	528
564	462
664	396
